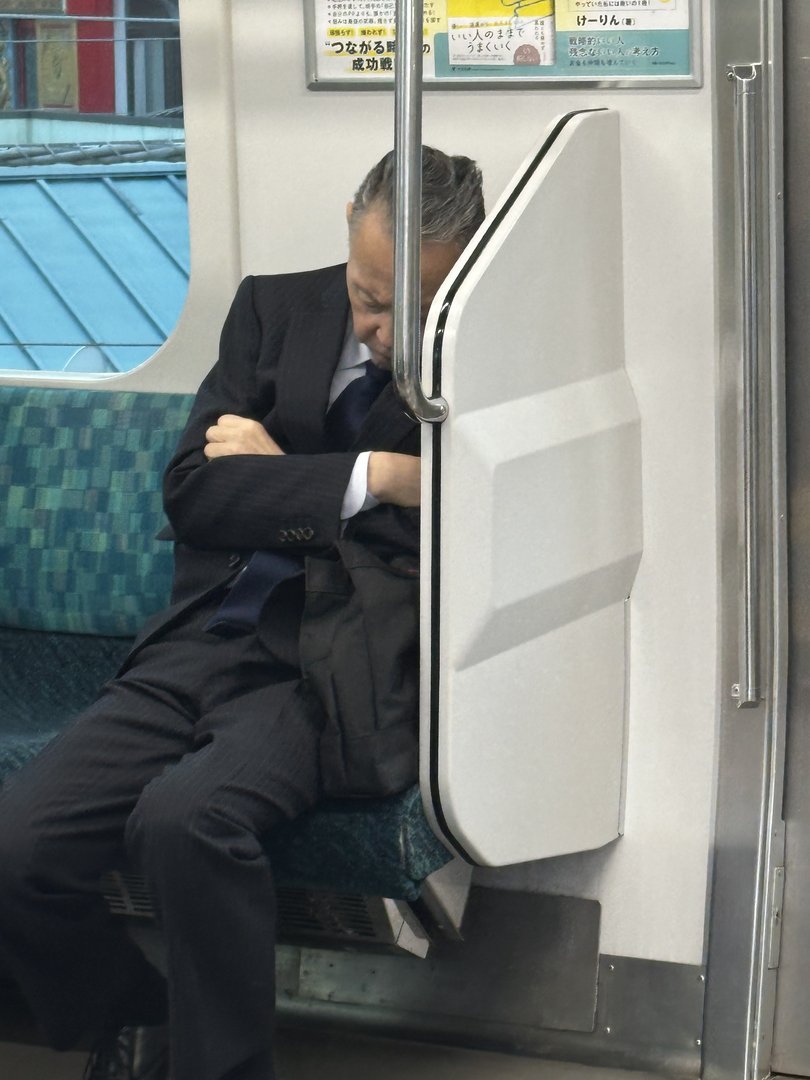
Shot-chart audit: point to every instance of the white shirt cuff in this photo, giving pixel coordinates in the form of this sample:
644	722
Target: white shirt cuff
357	495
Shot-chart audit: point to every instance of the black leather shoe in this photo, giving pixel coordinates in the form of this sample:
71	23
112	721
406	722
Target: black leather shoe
133	1053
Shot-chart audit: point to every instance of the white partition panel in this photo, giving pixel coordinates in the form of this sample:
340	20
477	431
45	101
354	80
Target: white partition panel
535	537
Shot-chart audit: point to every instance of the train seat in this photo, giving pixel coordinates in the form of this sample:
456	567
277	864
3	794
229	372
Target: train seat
79	572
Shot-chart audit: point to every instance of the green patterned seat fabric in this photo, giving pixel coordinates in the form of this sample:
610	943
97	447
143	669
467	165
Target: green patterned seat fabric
45	679
80	472
79	572
377	847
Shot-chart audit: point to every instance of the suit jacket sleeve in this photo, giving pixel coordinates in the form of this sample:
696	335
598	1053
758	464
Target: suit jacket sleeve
250	500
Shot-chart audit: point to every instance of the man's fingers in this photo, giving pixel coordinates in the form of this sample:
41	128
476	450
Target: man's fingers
227	427
238	435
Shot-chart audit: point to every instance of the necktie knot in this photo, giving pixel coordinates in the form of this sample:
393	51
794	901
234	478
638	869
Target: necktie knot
347	413
377	374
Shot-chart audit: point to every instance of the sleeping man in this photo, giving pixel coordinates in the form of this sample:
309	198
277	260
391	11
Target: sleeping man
211	733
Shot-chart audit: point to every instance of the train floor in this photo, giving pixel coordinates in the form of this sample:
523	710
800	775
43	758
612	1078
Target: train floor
304	1055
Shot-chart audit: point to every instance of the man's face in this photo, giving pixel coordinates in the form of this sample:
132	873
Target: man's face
370	278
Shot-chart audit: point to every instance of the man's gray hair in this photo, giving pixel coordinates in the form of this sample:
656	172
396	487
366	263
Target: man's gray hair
452	197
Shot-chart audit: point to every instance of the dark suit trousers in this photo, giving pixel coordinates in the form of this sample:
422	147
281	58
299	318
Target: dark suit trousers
180	765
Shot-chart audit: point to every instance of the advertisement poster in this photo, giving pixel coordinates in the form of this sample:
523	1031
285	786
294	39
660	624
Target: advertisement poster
57	66
492	33
355	40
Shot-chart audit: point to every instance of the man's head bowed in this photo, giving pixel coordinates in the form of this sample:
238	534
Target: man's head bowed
452	196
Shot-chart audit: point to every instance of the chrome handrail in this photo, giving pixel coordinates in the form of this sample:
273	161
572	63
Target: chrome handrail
746	98
406	364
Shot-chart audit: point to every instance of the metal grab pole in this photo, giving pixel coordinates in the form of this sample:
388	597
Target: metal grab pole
746	97
408	217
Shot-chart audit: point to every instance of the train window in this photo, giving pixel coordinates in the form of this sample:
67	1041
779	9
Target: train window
94	252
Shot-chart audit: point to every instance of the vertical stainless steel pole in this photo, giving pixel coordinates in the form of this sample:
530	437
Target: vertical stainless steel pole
408	215
746	86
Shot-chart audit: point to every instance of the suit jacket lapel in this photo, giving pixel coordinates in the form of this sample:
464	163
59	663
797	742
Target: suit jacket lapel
311	353
387	423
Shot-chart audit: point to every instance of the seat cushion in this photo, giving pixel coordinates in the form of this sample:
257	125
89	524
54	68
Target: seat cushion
45	679
377	847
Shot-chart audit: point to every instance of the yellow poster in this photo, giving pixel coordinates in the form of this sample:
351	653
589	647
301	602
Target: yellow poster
357	38
501	32
479	9
57	67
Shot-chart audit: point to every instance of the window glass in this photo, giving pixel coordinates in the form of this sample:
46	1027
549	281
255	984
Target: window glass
94	222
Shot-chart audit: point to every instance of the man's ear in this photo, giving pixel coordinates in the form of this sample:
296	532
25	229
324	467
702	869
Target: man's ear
349	212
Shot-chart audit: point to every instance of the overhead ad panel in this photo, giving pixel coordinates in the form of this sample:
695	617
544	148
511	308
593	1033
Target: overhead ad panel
499	42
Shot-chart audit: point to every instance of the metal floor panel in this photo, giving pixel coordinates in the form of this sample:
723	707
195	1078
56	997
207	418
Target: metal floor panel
302	1056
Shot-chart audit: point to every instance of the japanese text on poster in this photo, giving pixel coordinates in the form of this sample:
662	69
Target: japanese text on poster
357	37
490	32
631	15
484	39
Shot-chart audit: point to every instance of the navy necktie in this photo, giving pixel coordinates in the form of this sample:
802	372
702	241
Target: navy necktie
348	411
240	610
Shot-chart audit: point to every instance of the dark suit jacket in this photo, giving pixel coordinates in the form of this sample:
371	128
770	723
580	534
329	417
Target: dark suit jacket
278	352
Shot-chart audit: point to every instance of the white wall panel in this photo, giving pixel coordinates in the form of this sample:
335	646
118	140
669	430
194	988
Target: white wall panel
540	515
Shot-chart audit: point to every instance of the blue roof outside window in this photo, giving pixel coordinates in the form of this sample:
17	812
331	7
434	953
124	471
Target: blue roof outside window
94	264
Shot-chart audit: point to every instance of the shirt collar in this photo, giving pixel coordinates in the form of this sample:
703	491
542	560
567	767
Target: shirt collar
354	353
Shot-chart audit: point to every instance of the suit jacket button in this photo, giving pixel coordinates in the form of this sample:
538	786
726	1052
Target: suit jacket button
234	560
308	533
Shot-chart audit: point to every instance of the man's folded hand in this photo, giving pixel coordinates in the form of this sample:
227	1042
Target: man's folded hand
238	435
395	478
